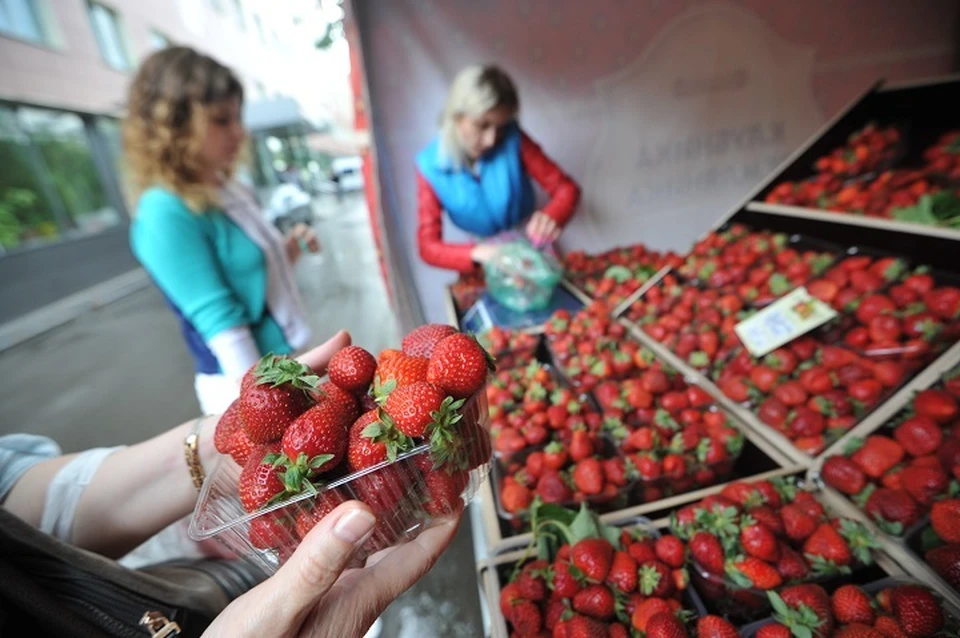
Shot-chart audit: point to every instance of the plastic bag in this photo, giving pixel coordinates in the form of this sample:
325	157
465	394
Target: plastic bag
521	277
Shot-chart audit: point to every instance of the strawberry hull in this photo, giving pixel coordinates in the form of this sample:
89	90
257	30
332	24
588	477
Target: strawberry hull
405	495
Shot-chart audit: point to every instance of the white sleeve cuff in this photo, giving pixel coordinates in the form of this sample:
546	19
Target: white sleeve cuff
235	350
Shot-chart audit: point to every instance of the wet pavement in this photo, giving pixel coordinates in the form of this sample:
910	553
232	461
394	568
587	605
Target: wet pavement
120	374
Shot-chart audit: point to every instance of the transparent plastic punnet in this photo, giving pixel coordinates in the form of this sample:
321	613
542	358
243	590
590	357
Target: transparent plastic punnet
401	493
521	277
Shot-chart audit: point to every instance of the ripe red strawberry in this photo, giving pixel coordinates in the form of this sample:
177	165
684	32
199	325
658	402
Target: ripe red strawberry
346	402
889	627
670	550
857	630
852	605
656	579
708	552
412	407
444	486
588	476
815	598
459	366
791	566
715	627
758	540
593	556
530	581
936	404
259	480
893	509
314	443
311	513
917	610
623	573
422	341
945	560
827	543
878	454
753	572
399	370
841	473
230	437
509	596
281	392
352	369
924	484
798	525
945	518
273	530
774	630
566	585
371	441
666	625
647	609
919	435
595	601
525	618
515	497
580	627
552	488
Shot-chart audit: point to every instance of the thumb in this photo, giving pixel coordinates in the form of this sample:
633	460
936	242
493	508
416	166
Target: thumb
282	602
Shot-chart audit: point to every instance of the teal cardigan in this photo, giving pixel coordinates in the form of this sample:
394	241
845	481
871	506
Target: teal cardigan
213	275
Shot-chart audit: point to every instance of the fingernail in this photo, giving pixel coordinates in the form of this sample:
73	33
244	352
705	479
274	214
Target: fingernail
354	525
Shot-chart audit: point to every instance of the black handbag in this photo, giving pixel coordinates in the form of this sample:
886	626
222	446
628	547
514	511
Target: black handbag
50	588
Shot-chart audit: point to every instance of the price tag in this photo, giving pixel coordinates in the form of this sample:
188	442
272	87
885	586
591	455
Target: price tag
783	321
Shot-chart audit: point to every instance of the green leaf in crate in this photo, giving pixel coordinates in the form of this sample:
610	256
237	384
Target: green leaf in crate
929	540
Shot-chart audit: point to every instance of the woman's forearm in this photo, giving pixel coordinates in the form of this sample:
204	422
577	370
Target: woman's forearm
140	490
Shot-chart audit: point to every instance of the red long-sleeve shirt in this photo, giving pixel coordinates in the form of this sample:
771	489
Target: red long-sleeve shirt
563	191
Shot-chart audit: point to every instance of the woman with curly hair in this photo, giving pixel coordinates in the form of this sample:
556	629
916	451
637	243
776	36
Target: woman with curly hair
224	270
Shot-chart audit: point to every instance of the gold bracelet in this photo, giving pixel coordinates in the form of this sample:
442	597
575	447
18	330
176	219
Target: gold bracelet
191	453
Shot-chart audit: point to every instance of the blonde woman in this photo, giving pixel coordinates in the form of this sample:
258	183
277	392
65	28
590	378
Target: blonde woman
478	170
224	270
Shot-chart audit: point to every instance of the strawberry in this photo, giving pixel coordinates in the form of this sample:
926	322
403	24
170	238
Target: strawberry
945	518
459	366
399	370
945	561
422	341
556	609
924	484
260	480
371	441
892	509
917	610
755	573
411	407
312	512
798	525
588	476
530	581
648	609
852	605
857	630
708	552
758	540
842	474
352	369
593	557
819	614
314	443
551	488
274	529
889	627
670	550
878	454
827	544
919	435
230	437
347	402
595	601
666	625
655	579
515	497
566	585
525	618
715	627
791	566
444	486
280	393
936	404
580	627
773	630
623	573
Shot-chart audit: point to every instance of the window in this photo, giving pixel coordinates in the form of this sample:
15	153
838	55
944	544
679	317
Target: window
241	19
106	27
67	157
19	18
158	40
259	25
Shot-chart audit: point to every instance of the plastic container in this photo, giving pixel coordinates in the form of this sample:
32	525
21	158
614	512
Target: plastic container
398	493
600	503
521	277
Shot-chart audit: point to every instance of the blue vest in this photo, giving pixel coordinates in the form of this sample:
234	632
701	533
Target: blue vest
494	200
